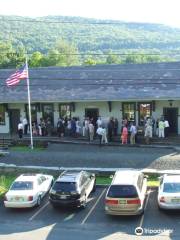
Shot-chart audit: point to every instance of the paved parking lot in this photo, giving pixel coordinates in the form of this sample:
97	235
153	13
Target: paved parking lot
48	223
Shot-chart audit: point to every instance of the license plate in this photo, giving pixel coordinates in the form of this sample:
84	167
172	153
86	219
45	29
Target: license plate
20	199
63	197
122	201
175	200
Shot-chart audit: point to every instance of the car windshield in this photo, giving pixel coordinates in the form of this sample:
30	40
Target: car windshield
122	191
64	186
22	185
171	187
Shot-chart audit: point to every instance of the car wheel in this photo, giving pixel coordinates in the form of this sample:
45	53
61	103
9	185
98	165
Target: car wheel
94	186
39	201
84	203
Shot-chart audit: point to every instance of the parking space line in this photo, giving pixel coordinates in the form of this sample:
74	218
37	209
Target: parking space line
142	217
69	217
93	207
39	211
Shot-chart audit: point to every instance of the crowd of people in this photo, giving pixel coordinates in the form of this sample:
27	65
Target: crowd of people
105	130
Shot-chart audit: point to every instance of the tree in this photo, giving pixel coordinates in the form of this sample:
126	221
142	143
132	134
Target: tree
112	59
64	54
89	61
36	59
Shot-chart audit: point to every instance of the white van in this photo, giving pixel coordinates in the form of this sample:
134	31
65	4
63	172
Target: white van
126	194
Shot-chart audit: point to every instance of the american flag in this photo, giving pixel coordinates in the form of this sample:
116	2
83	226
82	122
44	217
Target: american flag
15	78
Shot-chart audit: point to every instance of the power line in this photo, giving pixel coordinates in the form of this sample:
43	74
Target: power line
104	79
97	84
95	54
97	22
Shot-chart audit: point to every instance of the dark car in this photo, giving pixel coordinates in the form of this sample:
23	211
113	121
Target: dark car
72	189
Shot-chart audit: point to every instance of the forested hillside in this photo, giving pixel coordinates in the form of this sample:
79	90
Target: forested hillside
87	37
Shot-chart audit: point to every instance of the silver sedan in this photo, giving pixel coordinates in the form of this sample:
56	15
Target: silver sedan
169	192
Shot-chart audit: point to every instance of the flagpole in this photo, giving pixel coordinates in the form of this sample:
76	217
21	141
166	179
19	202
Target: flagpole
29	104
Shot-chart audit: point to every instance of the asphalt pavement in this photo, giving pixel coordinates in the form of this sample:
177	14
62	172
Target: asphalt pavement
92	223
72	155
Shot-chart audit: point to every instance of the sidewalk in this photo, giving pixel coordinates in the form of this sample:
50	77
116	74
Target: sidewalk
171	142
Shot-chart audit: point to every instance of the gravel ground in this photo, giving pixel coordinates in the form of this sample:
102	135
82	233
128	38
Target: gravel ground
70	155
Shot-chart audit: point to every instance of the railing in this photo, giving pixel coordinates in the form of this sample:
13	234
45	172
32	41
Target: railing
5	142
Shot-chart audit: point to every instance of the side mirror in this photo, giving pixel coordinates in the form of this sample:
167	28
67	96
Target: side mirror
92	175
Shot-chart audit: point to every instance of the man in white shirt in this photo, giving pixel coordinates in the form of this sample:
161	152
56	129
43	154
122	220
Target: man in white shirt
133	132
100	132
25	125
91	131
20	129
99	122
166	129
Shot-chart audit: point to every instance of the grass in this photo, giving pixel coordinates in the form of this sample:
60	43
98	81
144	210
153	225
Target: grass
103	180
151	181
26	149
5	182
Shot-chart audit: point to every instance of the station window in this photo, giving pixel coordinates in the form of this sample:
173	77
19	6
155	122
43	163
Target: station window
48	113
65	110
33	112
128	111
145	111
2	114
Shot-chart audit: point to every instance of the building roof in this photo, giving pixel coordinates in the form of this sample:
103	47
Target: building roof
123	82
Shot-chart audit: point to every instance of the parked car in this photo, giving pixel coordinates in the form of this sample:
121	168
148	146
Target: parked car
126	194
169	192
72	188
28	190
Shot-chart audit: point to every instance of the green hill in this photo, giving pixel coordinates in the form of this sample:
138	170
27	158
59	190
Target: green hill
89	35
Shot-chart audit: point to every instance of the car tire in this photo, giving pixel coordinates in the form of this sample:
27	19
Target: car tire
84	203
159	208
38	201
94	187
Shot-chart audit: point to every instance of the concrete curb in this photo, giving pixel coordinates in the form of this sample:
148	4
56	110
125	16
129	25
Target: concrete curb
116	144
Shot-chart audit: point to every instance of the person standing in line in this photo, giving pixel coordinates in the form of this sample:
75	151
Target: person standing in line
91	131
148	130
115	126
83	128
78	127
161	128
39	130
104	135
73	127
20	129
124	135
166	129
60	128
43	126
133	132
100	133
110	129
87	127
157	127
25	125
69	127
99	122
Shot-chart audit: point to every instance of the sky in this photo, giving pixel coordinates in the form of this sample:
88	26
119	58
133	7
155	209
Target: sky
154	11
